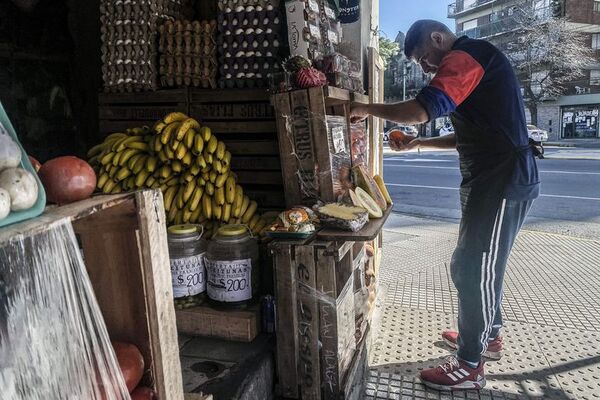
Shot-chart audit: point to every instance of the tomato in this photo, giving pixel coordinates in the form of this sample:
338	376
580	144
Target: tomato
35	163
143	393
67	179
131	363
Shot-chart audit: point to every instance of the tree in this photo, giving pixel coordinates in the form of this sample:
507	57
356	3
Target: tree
546	53
387	49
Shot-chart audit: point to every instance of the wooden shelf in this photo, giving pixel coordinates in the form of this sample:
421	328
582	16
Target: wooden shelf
336	96
369	232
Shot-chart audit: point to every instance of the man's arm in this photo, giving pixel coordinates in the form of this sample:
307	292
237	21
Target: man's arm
409	112
440	143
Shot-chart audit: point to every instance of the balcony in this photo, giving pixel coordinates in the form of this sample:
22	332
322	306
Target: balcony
518	18
459	6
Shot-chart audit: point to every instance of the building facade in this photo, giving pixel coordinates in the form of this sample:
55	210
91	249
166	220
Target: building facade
575	114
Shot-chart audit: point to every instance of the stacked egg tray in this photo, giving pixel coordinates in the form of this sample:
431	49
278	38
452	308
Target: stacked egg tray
188	53
249	39
129	30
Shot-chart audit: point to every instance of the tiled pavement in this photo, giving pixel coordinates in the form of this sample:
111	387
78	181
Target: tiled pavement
551	309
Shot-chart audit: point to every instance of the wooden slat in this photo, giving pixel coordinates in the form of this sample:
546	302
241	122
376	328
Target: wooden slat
271	197
228	95
242	127
252	148
286	149
259	177
308	324
369	232
234	325
159	96
334	95
233	111
286	321
328	331
320	136
108	126
157	285
255	163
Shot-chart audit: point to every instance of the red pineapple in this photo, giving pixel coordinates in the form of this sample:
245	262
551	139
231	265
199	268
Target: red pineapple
310	77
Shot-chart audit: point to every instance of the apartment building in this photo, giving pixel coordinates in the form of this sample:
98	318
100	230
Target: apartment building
574	115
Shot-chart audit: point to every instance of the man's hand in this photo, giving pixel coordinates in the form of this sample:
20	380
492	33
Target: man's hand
358	112
399	146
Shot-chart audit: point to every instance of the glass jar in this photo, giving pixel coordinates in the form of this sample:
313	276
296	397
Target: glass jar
232	267
188	274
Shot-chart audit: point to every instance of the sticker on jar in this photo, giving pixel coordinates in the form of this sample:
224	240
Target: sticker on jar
188	276
229	281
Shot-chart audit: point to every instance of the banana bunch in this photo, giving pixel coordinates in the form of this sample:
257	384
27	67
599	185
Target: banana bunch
187	162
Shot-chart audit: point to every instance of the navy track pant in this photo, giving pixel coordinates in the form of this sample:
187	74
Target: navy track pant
487	233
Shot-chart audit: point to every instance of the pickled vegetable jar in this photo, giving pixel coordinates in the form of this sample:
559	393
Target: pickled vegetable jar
232	267
188	275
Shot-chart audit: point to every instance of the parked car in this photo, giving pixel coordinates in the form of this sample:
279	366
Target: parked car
537	134
447	129
411	130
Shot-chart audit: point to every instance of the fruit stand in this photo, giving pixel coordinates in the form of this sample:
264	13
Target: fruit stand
226	195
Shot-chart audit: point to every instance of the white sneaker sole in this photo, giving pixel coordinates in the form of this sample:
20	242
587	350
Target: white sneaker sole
466	385
490	355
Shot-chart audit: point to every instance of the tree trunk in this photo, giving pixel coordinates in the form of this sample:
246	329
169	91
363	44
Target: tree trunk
533	110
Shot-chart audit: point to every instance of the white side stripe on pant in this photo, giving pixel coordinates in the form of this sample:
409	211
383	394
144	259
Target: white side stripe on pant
488	278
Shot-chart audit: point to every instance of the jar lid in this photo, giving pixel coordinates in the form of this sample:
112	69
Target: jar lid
232	230
185	229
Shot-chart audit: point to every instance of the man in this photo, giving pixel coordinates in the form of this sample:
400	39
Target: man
474	83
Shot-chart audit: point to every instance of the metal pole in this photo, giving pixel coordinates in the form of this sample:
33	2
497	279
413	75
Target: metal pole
403	81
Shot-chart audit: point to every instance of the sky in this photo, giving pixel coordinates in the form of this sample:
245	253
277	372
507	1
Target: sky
398	15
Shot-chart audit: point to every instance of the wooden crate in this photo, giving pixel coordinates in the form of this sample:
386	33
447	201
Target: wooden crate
234	325
124	243
245	121
316	344
306	143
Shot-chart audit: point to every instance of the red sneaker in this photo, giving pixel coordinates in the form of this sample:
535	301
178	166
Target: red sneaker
493	352
454	374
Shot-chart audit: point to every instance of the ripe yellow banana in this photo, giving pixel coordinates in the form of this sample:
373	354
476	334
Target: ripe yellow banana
253	221
238	201
97	149
131	162
151	164
227	159
126	156
206	175
172	181
187	177
201	181
130	183
220	150
217	211
196	198
210	188
188	191
206	133
165	136
221	179
165	171
189	123
187	215
116	190
123	143
187	159
194	169
249	212
198	143
211	146
212	176
174	117
181	151
208	157
162	156
259	226
172	214
107	158
206	206
170	153
139	164
169	196
109	186
220	195
218	166
159	126
102	179
179	217
116	158
189	138
150	181
230	190
141	177
244	206
139	145
179	198
175	145
123	174
379	181
195	218
176	166
226	212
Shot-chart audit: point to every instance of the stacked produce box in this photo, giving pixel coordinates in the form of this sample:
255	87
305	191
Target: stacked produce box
249	42
188	53
128	32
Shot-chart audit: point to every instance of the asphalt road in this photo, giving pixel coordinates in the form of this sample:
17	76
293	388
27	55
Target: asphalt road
426	184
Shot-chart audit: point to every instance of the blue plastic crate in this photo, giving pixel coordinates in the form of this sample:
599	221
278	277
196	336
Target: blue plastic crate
38	207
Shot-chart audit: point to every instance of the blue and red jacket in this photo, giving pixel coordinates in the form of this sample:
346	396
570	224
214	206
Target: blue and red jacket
476	86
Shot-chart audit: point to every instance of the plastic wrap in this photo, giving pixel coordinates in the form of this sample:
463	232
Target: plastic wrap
360	144
53	340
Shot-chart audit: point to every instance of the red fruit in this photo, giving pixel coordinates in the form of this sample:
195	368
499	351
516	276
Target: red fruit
131	363
310	77
35	163
67	179
143	393
399	137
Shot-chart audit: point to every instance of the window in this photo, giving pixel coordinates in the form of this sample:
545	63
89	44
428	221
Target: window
596	41
469	4
597	6
595	77
470	24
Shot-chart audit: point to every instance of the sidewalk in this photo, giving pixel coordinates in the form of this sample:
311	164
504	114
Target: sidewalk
551	309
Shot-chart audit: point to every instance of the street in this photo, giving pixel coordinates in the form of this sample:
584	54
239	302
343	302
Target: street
426	184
